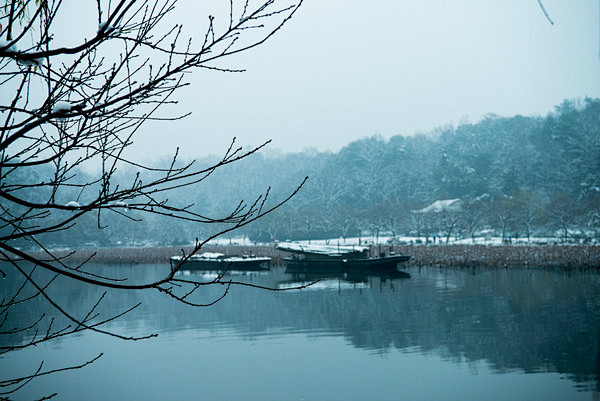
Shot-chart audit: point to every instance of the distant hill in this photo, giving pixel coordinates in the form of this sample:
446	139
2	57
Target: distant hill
517	176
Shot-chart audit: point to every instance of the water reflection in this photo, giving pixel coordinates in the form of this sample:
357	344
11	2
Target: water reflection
524	321
324	278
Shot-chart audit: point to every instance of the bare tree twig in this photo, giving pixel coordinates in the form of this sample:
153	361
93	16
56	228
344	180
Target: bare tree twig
545	13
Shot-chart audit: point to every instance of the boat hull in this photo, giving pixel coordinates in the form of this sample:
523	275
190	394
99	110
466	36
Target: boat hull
340	265
256	264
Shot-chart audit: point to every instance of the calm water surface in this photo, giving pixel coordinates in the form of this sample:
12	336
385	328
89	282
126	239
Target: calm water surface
442	334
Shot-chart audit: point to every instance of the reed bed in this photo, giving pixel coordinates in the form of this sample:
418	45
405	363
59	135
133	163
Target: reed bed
161	254
439	255
504	256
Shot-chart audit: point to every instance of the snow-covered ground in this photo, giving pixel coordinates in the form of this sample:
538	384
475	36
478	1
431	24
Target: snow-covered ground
398	240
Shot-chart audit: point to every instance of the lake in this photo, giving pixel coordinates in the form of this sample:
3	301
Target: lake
442	334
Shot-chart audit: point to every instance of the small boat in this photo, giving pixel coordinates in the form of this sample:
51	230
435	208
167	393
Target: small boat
219	262
343	259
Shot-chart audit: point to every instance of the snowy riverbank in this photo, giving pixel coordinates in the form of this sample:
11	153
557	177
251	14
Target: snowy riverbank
493	254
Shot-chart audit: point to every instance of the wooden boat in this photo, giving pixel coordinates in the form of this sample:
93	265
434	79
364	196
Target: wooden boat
342	259
219	262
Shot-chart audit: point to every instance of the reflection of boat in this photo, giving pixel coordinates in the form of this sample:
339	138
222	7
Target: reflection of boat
221	262
338	259
304	273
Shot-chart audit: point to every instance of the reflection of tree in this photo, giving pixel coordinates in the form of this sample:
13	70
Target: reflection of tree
525	320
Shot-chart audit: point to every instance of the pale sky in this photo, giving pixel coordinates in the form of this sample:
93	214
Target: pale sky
342	70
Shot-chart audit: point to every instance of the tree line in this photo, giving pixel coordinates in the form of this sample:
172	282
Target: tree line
514	177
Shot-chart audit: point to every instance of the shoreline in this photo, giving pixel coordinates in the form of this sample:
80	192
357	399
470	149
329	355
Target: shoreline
437	255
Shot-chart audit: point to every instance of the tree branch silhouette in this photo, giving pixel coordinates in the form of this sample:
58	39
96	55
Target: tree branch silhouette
69	113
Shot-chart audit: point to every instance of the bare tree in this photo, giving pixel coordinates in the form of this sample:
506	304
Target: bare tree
70	107
473	214
503	215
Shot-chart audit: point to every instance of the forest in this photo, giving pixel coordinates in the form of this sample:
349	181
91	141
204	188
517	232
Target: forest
517	178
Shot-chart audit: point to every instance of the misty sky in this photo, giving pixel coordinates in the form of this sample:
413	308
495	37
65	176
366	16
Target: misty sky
345	69
342	70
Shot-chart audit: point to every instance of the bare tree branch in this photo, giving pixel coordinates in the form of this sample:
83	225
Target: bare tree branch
66	107
545	13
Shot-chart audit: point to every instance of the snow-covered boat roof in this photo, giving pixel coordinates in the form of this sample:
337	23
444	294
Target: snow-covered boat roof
211	255
205	255
216	256
322	249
